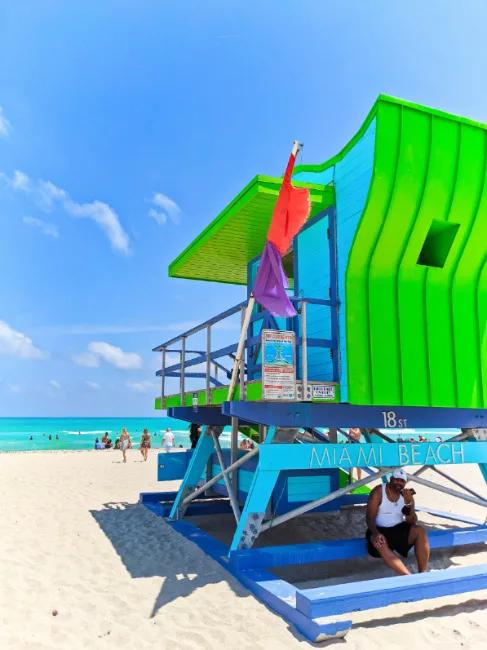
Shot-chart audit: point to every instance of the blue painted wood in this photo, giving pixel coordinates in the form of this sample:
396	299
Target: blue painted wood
196	465
256	503
277	594
307	488
353	175
285	456
312	245
206	415
342	549
358	596
348	415
172	466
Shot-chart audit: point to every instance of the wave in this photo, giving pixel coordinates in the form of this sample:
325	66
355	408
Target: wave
87	433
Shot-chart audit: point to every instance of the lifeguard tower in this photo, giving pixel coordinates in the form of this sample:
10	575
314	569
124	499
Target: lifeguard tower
389	277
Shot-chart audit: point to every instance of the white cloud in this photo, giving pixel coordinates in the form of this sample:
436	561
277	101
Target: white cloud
46	228
50	193
141	386
116	356
17	344
86	359
103	215
19	182
54	384
160	217
15	389
93	385
5	125
166	208
98	350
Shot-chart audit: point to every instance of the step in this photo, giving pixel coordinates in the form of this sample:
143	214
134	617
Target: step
343	549
370	594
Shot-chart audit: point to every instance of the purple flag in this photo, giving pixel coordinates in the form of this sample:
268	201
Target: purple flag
271	283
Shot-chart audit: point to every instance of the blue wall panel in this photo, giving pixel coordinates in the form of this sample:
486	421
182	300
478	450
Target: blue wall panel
352	177
314	282
307	488
352	181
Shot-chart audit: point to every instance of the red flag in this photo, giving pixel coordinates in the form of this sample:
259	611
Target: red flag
291	211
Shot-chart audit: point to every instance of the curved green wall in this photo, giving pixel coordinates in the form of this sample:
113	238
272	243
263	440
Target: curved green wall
416	334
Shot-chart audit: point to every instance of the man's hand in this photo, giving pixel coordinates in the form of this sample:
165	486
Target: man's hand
378	540
408	497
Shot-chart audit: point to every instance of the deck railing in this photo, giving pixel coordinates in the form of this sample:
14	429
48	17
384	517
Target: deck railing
210	357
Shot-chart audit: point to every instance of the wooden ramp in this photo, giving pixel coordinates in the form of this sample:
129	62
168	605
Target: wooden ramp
370	594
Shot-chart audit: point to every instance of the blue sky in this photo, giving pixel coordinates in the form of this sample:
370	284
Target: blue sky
127	126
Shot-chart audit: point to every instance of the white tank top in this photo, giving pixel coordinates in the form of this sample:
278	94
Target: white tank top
389	513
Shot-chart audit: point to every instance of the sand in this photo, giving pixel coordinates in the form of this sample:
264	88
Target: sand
75	541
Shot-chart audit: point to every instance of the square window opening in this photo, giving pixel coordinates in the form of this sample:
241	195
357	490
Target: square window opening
438	243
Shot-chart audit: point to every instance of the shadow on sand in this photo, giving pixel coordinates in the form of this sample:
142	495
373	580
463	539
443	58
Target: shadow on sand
149	547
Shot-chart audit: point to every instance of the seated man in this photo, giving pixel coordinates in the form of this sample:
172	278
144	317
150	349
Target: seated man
392	525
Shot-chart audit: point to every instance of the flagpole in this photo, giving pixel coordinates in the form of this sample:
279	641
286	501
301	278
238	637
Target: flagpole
246	322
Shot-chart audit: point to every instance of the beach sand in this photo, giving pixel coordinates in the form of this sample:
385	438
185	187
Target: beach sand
75	540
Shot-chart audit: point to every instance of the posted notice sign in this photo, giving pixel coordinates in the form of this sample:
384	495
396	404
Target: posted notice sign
278	365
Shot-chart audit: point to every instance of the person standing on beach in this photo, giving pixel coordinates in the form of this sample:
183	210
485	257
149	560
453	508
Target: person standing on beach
392	525
168	440
124	443
194	434
145	443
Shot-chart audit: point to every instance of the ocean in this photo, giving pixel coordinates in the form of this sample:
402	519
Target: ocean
81	433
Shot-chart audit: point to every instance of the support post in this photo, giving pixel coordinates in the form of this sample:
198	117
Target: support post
304	351
333	435
241	347
183	361
234	452
208	364
226	478
163	376
455	482
441	488
189	497
242	362
196	468
256	504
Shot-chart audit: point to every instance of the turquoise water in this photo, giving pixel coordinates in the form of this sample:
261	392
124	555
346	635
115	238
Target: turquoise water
81	433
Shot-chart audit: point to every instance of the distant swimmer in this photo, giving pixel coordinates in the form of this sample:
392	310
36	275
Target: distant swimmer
57	437
31	438
50	437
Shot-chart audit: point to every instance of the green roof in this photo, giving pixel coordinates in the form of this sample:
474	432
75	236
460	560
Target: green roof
237	235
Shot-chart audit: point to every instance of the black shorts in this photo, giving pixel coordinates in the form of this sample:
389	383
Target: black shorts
397	538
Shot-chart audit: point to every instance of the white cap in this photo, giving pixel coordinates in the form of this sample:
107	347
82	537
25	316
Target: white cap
400	473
